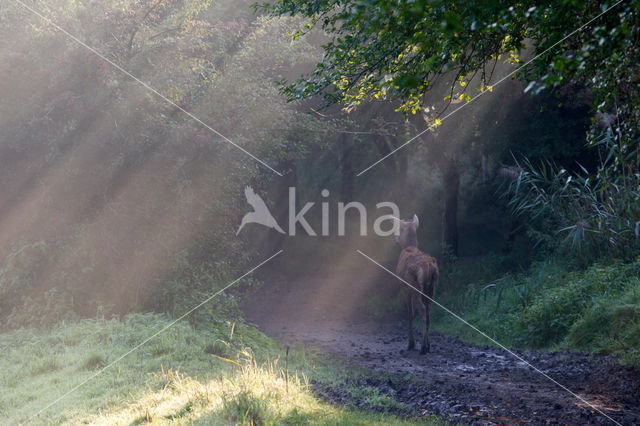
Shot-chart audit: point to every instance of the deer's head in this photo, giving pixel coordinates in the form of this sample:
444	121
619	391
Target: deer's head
408	236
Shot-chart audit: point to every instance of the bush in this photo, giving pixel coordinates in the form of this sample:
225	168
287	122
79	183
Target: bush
585	216
593	309
489	297
611	326
42	310
548	318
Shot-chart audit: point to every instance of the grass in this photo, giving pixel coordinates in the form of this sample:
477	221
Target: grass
611	326
596	309
372	397
184	376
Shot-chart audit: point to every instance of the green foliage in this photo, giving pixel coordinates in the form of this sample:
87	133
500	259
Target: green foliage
590	216
403	50
547	306
611	326
457	274
20	301
547	318
372	397
489	294
192	281
396	49
44	310
115	200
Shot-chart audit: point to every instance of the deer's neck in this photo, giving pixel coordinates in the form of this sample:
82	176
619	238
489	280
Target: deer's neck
411	241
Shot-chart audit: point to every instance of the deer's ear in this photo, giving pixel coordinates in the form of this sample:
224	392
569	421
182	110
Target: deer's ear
415	222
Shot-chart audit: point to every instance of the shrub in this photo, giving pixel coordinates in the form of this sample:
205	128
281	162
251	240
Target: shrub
489	297
552	313
593	309
43	310
583	215
611	326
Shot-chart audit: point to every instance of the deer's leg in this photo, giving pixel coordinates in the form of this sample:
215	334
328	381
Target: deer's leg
412	342
426	308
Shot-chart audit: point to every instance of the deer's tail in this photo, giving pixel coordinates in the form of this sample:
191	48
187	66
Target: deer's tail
427	276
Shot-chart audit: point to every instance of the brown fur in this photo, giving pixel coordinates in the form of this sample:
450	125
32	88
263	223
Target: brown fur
421	271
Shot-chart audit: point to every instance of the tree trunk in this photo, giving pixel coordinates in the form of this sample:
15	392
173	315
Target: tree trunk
280	208
450	214
401	188
346	169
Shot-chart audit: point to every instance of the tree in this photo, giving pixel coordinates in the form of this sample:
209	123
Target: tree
111	195
383	49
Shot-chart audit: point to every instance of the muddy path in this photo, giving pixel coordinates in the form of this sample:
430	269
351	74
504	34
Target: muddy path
459	381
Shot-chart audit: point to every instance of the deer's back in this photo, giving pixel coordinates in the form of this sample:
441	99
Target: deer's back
418	269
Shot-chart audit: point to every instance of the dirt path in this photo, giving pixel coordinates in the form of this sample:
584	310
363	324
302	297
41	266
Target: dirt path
465	383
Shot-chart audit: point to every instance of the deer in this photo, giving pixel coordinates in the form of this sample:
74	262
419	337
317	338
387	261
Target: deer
421	272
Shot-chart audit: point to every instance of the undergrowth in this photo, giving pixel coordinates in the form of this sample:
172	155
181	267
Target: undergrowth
548	306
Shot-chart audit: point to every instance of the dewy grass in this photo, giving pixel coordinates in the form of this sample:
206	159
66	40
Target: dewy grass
177	379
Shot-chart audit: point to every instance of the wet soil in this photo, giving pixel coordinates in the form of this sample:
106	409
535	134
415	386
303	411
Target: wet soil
463	383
